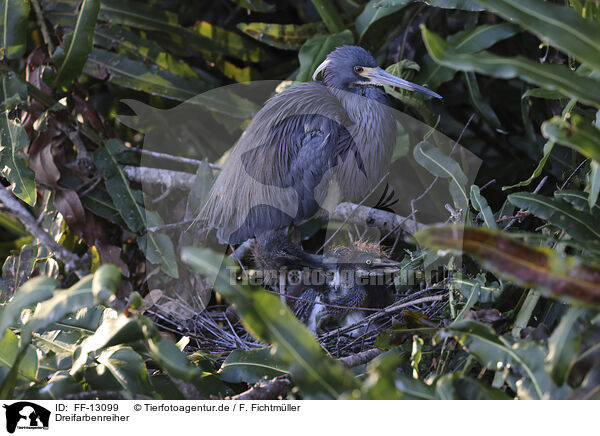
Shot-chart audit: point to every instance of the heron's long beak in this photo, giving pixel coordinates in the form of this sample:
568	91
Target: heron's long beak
380	266
378	76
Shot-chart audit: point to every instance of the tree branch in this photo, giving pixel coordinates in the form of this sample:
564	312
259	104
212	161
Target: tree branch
72	262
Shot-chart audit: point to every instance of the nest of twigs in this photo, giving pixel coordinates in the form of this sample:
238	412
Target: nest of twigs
212	331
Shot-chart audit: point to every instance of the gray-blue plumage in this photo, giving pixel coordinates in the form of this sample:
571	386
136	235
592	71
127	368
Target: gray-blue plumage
279	171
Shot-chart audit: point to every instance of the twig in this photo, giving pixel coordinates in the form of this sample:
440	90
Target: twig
360	358
185	160
518	214
388	310
273	389
40	20
173	179
71	261
383	220
573	173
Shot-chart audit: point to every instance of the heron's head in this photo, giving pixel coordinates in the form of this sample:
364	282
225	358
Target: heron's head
350	67
364	258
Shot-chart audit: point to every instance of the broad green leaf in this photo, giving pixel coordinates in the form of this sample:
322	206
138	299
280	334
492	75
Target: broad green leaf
13	165
142	48
89	291
555	24
468	41
127	367
32	292
17	269
171	359
139	76
440	165
574	133
9	351
563	346
14	28
158	247
250	366
13	91
578	199
558	212
70	58
268	319
481	205
283	36
314	51
526	265
551	76
117	185
374	12
496	352
458	387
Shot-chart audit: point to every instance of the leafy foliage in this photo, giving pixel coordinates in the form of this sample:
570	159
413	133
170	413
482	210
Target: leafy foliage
519	315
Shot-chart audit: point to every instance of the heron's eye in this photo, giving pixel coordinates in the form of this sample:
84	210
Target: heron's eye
369	262
358	69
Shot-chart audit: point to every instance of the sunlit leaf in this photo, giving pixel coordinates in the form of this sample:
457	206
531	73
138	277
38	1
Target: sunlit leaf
284	36
13	28
575	133
526	265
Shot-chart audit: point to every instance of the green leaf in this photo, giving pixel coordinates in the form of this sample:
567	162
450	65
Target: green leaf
530	266
468	41
158	247
440	165
283	36
117	185
578	199
551	76
465	5
144	49
89	291
9	351
269	320
563	346
496	352
558	212
13	91
574	133
538	169
250	366
70	58
137	75
13	165
14	28
557	25
329	15
457	387
481	205
314	51
482	107
170	358
127	368
374	12
35	290
17	269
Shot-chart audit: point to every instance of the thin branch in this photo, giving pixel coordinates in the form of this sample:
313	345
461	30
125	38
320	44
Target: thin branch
360	358
72	262
273	389
179	159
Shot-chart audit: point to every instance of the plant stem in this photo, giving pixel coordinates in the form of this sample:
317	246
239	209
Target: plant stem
329	15
525	312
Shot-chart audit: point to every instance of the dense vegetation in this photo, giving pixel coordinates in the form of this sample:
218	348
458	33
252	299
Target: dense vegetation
521	87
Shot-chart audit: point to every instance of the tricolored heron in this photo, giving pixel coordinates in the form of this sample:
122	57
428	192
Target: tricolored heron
279	171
